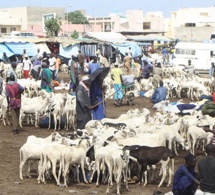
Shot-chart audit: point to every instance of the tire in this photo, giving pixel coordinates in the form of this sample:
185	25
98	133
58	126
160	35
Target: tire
130	100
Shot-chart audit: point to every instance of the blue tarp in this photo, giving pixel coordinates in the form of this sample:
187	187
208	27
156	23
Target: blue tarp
124	47
17	48
70	50
4	48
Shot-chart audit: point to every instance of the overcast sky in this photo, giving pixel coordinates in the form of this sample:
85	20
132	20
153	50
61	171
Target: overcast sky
104	7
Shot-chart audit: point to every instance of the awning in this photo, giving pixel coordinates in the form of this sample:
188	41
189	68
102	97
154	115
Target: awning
123	48
4	48
68	51
43	47
17	48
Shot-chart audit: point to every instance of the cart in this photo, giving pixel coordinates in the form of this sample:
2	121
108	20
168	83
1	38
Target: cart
128	89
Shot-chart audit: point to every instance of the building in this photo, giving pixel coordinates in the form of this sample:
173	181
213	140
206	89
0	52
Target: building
191	24
32	19
132	23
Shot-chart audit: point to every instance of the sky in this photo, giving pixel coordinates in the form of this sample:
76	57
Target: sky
101	8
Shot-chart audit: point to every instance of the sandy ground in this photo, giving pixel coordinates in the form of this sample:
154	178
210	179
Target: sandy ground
9	165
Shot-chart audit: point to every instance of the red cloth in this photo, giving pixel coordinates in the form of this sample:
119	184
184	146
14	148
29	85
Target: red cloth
214	97
26	73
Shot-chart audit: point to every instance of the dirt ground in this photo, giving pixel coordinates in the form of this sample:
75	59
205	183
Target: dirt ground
9	162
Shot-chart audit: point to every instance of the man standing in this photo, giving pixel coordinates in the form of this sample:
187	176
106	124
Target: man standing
127	62
206	166
46	76
83	106
189	68
57	67
12	70
118	56
116	75
26	66
211	70
81	59
13	94
164	52
52	61
147	69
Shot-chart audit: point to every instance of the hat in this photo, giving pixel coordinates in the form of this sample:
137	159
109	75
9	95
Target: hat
116	64
14	64
85	78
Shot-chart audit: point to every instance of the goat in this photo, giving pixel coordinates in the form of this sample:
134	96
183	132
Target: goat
152	155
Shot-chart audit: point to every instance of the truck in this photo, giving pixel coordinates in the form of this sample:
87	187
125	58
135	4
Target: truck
200	54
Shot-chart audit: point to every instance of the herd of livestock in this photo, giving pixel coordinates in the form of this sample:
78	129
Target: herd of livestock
112	147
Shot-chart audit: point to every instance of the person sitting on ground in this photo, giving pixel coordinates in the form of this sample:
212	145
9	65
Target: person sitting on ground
159	94
185	181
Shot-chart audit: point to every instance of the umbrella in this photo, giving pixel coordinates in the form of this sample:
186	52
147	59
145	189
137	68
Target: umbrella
99	74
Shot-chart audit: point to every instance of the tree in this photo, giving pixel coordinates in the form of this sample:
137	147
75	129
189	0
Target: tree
53	26
77	17
75	35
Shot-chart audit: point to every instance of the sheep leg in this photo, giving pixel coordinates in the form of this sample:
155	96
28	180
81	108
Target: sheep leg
145	179
66	168
83	172
175	148
54	172
164	167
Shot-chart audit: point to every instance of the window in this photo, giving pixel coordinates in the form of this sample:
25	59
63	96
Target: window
190	24
12	29
180	51
190	52
146	25
212	54
3	30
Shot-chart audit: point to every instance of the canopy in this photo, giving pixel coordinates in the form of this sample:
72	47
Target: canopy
17	48
68	51
4	48
123	48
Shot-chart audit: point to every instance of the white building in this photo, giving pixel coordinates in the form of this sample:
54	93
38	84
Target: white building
191	24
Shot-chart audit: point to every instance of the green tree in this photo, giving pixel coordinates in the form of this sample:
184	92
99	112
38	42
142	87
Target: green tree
75	35
77	17
53	26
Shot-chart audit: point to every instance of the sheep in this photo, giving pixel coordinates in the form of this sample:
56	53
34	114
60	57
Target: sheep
117	162
74	155
195	134
55	136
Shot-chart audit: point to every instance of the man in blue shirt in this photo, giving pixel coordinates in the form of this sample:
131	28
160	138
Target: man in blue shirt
184	182
159	93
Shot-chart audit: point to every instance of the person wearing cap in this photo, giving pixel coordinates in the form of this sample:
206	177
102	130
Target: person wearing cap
185	181
12	70
206	167
116	75
13	95
81	58
46	78
83	105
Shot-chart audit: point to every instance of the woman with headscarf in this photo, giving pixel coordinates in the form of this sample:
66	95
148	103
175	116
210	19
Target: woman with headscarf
46	78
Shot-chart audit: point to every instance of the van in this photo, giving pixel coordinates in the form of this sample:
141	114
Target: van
22	34
200	54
